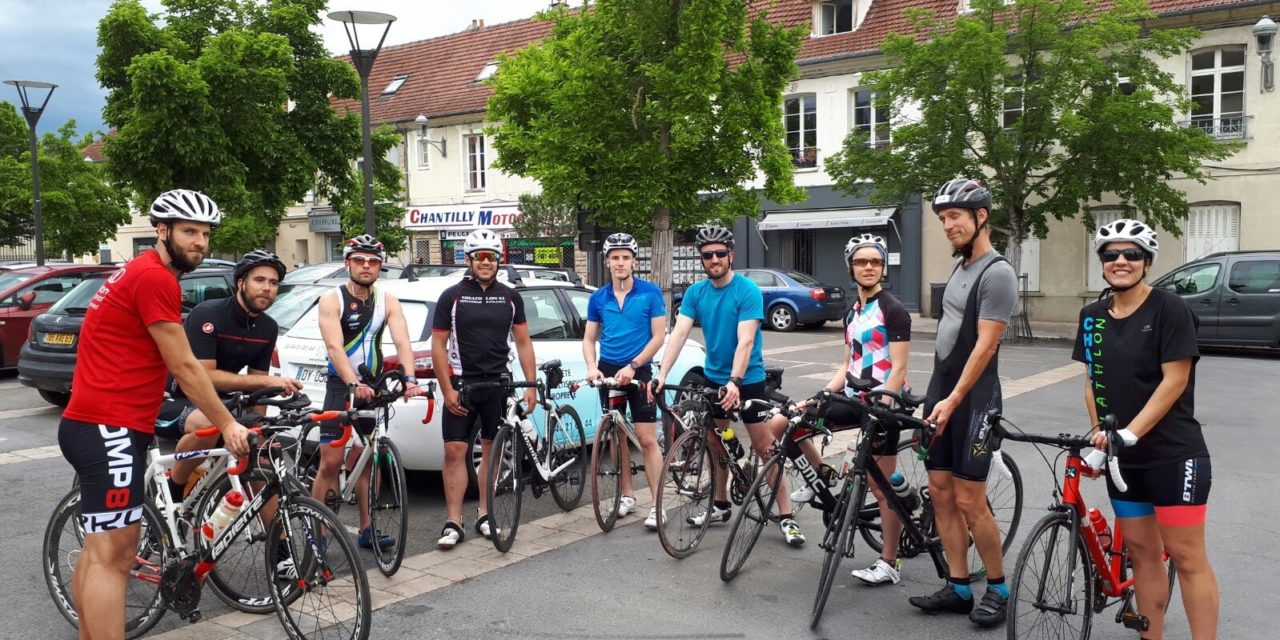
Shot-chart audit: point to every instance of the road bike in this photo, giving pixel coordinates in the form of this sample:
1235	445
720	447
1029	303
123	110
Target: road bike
607	461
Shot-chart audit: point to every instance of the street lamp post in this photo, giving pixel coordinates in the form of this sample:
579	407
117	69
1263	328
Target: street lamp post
363	59
32	114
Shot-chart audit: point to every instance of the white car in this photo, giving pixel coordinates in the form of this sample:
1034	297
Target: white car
556	312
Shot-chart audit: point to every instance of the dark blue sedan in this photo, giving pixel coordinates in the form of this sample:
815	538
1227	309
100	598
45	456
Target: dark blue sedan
792	298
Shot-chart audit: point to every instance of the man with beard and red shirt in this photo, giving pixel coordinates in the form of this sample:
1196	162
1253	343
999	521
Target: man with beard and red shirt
131	338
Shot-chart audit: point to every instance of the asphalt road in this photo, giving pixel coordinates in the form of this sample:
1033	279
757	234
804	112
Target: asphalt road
622	585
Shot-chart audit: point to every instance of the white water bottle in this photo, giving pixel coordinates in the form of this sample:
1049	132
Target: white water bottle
902	489
526	427
227	511
850	452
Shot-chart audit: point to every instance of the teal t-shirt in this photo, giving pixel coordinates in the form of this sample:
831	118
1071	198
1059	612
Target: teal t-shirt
720	309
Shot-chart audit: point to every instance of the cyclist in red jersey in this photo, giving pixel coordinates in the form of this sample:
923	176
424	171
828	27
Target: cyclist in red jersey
131	338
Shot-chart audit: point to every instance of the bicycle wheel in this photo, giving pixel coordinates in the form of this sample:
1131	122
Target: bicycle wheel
143	604
837	541
505	486
688	489
1039	605
606	474
388	506
333	601
751	519
240	579
568	445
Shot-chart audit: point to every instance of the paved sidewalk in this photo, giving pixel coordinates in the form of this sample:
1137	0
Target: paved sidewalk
923	325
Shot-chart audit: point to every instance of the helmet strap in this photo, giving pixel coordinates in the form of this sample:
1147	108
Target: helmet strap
175	259
243	297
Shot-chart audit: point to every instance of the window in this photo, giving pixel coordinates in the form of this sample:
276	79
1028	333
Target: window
1013	104
1217	92
1029	265
143	244
835	17
763	278
197	290
1192	280
1255	276
871	119
578	299
424	153
1212	228
1093	267
801	123
395	85
547	320
393	155
50	290
487	72
474	144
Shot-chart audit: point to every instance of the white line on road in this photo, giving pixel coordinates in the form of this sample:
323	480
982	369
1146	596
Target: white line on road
22	413
801	347
1042	379
11	385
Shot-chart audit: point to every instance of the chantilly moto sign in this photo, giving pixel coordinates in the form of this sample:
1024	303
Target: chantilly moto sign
490	215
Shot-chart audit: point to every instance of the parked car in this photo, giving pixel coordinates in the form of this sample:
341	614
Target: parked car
327	270
791	298
556	313
293	300
1235	296
28	292
48	356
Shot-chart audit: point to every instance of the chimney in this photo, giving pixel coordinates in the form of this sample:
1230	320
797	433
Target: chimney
559	4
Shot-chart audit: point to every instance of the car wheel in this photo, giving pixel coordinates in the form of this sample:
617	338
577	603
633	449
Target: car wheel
782	318
59	398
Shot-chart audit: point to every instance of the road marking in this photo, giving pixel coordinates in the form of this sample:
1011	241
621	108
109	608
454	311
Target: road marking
802	347
11	385
1040	380
22	413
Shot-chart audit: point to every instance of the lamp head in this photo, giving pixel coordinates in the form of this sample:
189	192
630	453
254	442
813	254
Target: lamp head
1264	32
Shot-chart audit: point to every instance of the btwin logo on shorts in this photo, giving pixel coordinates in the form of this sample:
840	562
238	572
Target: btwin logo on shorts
1188	480
119	465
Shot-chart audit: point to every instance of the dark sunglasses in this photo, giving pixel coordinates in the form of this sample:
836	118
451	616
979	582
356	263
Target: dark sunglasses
1131	255
484	256
862	262
720	253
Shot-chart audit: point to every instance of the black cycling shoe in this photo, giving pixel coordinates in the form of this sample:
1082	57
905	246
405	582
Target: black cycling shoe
946	600
991	611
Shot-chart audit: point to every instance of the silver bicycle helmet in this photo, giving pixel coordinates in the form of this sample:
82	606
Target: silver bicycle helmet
257	258
482	240
364	243
963	193
621	241
1127	230
713	234
865	240
185	204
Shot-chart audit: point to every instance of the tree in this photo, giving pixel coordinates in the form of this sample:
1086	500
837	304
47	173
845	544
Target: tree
650	114
231	97
1054	102
81	207
388	207
541	217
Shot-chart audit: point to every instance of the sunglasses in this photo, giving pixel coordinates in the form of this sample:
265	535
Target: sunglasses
1131	255
365	260
484	256
863	262
721	253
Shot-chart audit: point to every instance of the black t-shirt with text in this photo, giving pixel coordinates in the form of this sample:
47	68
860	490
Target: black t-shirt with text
479	322
1123	356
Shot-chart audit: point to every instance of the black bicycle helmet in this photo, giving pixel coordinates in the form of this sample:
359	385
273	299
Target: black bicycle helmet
257	258
714	234
963	193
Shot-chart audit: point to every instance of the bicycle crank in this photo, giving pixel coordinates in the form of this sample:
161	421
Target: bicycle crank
181	588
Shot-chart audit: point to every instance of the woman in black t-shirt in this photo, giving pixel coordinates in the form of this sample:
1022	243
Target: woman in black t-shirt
1139	349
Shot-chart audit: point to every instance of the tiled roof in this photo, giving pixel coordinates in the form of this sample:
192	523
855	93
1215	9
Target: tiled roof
93	151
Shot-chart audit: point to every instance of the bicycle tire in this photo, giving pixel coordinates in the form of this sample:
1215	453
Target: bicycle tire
749	522
606	475
835	543
1126	567
329	571
388	505
239	579
504	486
144	602
1031	577
568	442
688	488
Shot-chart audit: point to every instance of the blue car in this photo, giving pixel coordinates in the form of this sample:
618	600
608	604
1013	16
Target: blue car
791	298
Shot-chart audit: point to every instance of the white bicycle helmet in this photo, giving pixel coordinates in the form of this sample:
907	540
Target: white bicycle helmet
482	240
1127	230
185	204
621	241
714	234
364	243
865	240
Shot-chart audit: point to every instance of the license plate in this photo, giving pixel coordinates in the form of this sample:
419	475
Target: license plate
836	295
62	339
318	375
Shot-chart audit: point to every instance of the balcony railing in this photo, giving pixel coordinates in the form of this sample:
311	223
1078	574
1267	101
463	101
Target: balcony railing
1226	128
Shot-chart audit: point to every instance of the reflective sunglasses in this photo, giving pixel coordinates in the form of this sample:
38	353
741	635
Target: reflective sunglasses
365	260
719	253
1131	255
863	262
484	256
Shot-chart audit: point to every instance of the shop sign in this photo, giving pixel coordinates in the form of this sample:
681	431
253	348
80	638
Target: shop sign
462	216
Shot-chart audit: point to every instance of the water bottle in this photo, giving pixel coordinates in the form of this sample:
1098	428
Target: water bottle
850	452
731	443
526	427
1100	527
227	511
902	489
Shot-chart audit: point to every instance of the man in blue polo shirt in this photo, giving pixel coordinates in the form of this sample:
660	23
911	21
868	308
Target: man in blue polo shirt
628	319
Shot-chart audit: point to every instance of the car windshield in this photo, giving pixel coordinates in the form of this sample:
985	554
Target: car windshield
546	274
293	301
417	317
10	280
801	277
76	302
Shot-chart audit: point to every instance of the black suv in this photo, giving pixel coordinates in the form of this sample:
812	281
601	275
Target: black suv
49	355
1235	295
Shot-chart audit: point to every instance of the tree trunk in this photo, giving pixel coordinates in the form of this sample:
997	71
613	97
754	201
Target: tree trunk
662	235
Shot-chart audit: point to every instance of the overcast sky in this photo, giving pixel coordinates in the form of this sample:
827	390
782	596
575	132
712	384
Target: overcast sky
56	41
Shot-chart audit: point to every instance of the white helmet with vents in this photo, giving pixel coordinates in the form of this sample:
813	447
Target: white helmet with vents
1127	230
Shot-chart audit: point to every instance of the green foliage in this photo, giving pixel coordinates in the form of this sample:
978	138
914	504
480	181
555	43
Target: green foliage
388	203
230	97
541	217
80	206
1079	136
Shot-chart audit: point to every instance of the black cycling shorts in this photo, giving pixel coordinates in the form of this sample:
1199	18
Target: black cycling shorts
642	410
1176	492
485	405
841	417
336	395
960	448
112	463
756	414
172	421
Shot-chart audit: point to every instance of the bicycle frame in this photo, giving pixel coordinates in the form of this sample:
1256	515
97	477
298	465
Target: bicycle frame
1108	569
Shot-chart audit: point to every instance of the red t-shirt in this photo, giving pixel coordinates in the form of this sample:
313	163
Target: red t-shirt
119	376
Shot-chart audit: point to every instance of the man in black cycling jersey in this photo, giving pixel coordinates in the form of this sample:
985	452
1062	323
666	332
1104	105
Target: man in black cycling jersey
475	323
227	336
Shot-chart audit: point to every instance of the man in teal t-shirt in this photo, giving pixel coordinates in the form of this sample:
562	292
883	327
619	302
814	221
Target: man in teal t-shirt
730	309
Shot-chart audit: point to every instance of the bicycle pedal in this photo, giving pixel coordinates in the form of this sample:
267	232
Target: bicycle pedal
1134	621
192	617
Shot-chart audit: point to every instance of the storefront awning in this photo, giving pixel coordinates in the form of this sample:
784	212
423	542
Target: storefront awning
828	218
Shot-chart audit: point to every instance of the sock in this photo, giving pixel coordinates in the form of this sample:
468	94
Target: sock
961	587
723	505
785	516
998	585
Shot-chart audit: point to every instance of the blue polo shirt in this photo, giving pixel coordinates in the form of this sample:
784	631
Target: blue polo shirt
625	330
720	309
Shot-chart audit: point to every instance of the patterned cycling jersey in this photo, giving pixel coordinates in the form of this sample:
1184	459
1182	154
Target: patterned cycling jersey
362	324
868	330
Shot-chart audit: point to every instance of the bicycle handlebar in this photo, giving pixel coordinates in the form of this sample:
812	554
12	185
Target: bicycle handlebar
1072	443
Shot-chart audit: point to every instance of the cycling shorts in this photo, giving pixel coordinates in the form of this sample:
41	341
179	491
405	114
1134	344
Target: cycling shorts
756	414
841	417
1176	492
485	405
642	410
172	421
336	395
112	465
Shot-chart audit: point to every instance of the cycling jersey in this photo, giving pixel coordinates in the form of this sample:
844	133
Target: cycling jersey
362	322
868	330
222	331
479	322
626	329
720	309
120	375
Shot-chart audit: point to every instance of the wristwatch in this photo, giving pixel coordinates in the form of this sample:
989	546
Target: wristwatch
411	379
633	364
736	380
